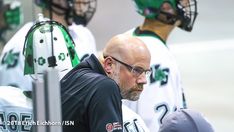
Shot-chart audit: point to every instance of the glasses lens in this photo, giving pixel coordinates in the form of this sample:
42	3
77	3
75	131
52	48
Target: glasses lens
137	71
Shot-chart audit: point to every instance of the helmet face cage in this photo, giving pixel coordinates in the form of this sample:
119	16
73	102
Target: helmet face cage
185	11
84	9
79	11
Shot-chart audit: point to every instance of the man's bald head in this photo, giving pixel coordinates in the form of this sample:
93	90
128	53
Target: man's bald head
125	46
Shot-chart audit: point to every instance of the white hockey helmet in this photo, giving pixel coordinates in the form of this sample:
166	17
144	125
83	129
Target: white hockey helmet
49	45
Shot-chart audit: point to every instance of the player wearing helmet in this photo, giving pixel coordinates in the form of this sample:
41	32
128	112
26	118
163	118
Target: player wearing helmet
66	12
74	14
77	11
163	94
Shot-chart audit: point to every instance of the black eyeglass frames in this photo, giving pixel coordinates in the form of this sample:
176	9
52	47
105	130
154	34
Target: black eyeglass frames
135	70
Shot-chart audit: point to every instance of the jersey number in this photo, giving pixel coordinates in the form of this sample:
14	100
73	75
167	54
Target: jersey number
13	122
164	109
132	126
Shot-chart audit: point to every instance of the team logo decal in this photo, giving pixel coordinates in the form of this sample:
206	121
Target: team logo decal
10	59
110	127
159	75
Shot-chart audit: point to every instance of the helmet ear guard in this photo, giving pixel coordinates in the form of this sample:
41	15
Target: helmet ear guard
186	11
48	44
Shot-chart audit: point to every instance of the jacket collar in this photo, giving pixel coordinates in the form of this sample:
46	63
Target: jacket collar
95	64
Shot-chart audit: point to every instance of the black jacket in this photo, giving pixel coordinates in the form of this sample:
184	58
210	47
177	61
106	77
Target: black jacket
90	99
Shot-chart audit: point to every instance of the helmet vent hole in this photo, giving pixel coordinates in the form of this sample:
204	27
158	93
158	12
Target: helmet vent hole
41	41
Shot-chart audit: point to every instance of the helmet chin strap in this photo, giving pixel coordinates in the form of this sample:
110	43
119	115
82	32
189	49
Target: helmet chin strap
163	16
169	18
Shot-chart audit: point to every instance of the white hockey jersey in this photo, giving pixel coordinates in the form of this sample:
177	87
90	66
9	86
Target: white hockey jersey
163	92
84	40
15	110
132	122
12	59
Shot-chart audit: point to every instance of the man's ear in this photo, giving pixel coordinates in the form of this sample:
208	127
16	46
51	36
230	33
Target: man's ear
108	65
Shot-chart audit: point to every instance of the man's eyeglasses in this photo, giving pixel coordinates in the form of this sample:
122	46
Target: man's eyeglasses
135	70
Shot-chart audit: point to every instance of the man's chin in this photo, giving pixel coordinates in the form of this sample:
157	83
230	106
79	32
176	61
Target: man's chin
135	97
132	96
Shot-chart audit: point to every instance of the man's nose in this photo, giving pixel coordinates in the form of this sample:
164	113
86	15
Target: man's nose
142	78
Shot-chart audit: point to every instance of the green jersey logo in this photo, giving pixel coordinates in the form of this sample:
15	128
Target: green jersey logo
159	75
10	59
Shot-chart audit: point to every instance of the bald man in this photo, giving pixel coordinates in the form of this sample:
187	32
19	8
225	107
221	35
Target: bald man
92	91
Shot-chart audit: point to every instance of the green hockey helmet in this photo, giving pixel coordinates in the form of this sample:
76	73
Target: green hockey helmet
184	10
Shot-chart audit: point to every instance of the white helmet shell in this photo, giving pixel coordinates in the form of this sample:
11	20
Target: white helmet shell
49	45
